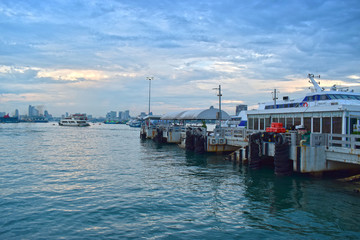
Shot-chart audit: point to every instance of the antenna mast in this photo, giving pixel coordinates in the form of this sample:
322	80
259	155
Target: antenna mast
274	97
316	85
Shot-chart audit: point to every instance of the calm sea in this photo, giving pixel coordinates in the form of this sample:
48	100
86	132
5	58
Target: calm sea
103	182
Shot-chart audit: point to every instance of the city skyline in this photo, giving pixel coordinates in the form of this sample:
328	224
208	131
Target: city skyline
87	56
32	111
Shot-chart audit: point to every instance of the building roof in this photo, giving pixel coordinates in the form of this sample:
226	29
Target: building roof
200	114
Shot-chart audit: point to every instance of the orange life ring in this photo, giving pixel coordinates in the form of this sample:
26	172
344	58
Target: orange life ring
305	104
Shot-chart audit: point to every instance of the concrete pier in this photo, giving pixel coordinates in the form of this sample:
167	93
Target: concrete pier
313	153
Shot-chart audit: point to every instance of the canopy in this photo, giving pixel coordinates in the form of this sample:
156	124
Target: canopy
201	114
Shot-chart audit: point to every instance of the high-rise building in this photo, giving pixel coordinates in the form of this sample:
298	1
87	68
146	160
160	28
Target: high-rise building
126	115
120	115
33	112
111	115
17	113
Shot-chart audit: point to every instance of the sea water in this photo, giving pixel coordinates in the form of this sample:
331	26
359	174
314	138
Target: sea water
103	182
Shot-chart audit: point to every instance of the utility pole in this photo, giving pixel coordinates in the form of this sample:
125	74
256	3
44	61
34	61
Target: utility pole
219	115
274	97
149	78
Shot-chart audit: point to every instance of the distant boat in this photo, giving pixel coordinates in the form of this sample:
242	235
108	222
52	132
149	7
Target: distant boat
8	119
134	123
111	122
38	119
75	120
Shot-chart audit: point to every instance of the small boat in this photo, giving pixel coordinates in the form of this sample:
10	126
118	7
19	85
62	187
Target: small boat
136	123
75	120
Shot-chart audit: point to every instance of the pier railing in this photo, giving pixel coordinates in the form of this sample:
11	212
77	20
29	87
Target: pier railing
315	139
344	140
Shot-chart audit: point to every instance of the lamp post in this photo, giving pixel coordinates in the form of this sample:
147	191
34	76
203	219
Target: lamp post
149	78
219	115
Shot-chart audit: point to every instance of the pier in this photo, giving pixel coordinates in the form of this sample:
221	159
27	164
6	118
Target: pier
307	153
314	134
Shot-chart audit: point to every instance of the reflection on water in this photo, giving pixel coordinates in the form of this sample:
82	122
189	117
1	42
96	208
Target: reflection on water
104	182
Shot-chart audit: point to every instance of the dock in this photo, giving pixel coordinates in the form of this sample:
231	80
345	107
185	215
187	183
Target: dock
314	134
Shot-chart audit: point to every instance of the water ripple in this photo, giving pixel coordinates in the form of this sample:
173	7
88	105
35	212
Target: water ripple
102	182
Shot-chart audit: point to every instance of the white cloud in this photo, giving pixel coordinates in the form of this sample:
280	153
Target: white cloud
355	77
73	74
96	54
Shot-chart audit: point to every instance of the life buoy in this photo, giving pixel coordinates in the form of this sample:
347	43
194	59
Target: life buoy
305	104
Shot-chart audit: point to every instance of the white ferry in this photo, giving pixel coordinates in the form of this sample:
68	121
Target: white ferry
75	120
335	111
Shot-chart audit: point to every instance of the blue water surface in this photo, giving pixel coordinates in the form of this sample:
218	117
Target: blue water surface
103	182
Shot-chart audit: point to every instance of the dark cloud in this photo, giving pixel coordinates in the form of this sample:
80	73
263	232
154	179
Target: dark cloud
181	43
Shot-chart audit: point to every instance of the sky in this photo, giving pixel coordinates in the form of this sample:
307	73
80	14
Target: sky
94	56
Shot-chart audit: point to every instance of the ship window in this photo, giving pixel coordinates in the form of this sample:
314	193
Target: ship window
353	97
337	125
338	96
297	121
310	98
267	122
289	123
251	123
324	97
305	99
256	124
316	124
326	125
331	96
307	123
262	124
282	120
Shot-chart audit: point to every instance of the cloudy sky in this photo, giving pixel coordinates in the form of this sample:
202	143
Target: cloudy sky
94	56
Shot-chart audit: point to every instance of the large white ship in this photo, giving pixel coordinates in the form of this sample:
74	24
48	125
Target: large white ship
75	120
321	111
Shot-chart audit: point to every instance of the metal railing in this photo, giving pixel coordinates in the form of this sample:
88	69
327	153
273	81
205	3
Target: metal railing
344	140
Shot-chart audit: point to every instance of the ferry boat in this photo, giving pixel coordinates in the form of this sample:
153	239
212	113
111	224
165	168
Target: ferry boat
334	111
136	123
8	119
75	120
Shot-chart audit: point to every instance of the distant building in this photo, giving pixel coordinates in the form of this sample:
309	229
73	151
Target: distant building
120	115
33	112
111	115
240	107
126	115
48	116
142	114
2	114
17	113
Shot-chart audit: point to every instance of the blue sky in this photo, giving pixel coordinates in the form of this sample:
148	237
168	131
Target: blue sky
94	56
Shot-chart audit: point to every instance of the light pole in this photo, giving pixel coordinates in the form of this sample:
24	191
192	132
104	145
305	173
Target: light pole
149	78
219	115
